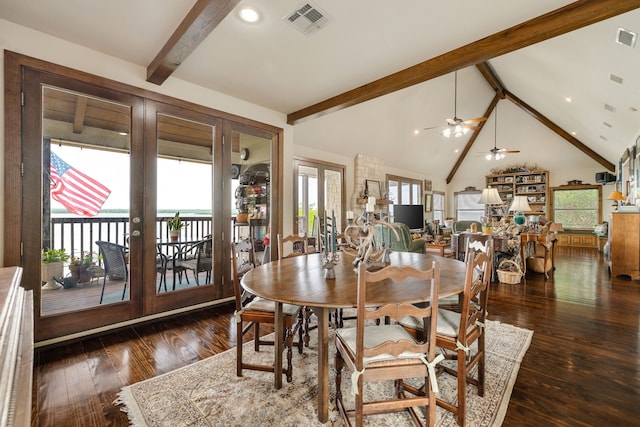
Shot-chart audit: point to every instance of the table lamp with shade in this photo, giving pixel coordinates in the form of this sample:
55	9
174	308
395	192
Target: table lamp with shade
617	197
520	204
490	197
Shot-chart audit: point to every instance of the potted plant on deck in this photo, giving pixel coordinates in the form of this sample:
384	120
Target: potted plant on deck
52	267
175	224
80	267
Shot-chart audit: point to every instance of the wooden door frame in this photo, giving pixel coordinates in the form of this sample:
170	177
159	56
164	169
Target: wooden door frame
15	199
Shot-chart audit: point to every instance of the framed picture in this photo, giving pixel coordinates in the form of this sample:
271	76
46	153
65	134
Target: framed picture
427	185
373	188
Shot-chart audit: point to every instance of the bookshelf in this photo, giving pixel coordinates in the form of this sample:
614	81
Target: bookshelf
532	184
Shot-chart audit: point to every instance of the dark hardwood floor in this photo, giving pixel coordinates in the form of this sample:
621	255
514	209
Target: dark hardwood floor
582	368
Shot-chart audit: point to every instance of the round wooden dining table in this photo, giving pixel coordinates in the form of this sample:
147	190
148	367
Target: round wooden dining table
301	281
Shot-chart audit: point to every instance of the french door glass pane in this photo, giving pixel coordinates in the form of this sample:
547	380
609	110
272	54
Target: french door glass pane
184	189
85	199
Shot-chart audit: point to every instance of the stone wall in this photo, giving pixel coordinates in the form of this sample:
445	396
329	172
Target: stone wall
365	167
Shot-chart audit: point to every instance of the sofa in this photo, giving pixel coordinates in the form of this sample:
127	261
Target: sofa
460	226
405	243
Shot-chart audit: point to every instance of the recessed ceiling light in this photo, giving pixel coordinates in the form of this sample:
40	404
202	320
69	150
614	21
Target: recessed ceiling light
609	125
249	14
615	78
574	133
568	99
415	132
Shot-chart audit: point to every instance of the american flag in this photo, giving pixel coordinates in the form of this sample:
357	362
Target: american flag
78	193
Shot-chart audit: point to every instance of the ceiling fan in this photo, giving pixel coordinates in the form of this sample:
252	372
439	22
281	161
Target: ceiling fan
498	153
457	127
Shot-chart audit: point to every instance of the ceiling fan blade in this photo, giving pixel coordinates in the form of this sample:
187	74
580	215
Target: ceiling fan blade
433	127
472	127
476	120
510	151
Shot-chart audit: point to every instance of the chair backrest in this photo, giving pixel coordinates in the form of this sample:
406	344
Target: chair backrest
398	276
479	262
298	246
114	259
241	262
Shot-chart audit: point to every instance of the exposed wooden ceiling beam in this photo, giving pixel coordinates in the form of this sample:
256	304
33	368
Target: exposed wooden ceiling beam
473	138
560	21
491	77
201	20
79	114
561	132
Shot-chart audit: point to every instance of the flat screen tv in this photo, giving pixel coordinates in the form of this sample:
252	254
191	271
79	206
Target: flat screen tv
411	215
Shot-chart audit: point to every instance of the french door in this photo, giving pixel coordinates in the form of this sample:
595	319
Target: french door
318	187
89	160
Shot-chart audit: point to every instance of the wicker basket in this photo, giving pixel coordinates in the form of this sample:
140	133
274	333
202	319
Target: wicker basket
537	264
509	277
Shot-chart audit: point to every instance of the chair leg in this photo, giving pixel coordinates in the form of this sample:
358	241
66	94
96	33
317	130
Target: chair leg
462	386
124	291
289	347
481	365
239	336
104	283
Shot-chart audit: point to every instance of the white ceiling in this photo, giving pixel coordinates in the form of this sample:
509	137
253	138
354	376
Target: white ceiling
276	66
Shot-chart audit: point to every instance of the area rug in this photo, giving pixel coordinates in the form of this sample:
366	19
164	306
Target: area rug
208	392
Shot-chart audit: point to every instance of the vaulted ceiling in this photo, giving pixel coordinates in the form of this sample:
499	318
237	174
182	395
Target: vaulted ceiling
534	54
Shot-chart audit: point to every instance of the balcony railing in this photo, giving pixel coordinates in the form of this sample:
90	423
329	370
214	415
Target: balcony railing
78	235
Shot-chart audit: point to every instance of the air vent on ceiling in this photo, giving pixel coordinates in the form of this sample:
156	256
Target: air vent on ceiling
615	78
627	38
610	108
307	18
609	125
604	138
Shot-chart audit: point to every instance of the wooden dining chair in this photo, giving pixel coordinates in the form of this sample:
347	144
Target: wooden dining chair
382	352
255	311
291	246
457	331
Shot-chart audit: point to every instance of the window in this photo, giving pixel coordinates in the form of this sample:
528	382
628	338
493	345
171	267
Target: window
438	207
404	191
577	207
467	206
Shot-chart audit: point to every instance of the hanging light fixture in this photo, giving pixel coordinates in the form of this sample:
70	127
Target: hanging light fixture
495	154
456	126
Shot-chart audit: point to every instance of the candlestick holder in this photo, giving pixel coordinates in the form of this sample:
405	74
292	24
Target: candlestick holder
329	261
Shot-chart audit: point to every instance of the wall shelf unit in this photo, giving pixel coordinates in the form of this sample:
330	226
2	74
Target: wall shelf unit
534	185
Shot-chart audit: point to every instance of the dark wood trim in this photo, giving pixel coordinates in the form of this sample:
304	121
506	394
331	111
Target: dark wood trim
557	22
201	20
473	138
559	131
